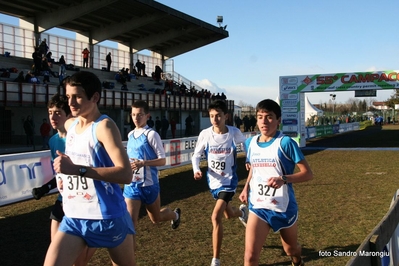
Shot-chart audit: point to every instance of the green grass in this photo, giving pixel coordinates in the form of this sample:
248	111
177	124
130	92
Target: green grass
350	193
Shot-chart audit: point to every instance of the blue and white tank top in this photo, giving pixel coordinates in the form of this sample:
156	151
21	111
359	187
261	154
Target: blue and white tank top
84	197
141	146
221	154
276	157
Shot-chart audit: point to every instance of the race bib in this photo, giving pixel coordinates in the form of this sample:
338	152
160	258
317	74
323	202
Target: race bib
218	166
138	175
265	197
76	188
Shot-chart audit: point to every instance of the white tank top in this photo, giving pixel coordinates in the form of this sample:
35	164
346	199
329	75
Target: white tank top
265	163
84	197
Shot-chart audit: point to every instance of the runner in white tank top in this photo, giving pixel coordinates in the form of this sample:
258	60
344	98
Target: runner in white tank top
268	190
219	143
89	172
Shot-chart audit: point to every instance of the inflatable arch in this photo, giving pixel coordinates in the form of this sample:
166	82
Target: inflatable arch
293	89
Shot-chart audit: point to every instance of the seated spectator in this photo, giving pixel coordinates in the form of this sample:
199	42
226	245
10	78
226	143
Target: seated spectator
28	76
20	77
49	59
119	77
46	67
32	78
46	77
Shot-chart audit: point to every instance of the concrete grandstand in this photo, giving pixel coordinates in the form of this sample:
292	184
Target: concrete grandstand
178	34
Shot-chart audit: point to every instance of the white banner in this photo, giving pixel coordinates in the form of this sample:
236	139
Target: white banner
19	173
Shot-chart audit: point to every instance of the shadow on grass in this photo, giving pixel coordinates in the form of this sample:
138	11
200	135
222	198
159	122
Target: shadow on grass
24	238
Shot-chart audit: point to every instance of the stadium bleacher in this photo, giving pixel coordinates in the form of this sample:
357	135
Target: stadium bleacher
140	84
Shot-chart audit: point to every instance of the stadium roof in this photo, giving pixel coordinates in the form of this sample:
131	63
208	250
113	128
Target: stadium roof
140	24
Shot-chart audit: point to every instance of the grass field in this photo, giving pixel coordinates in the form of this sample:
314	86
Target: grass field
350	193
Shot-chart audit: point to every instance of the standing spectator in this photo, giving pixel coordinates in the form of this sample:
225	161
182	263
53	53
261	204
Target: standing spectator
158	125
95	158
268	189
150	122
29	127
62	61
85	53
138	66
237	121
45	133
62	69
247	123
173	127
157	74
37	61
164	127
143	69
189	127
43	48
219	143
145	151
109	61
252	122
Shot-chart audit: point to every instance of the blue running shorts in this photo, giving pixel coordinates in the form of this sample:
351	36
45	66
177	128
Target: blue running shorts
107	233
227	196
277	220
146	195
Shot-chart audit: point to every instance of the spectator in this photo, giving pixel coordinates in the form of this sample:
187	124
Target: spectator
143	69
45	133
157	75
32	78
138	66
109	61
247	123
150	122
119	77
158	125
62	61
20	77
252	122
49	59
29	128
237	121
189	129
173	127
37	61
43	48
62	69
164	127
86	53
28	76
46	68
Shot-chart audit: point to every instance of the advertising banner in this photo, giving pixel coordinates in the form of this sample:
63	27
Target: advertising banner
292	86
19	173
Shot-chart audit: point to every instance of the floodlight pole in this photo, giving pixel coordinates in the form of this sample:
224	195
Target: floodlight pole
333	100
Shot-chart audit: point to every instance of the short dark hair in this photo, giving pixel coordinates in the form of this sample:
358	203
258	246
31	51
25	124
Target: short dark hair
218	104
87	80
141	104
59	101
269	105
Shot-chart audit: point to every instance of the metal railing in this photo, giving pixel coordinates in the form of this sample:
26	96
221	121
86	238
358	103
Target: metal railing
37	95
